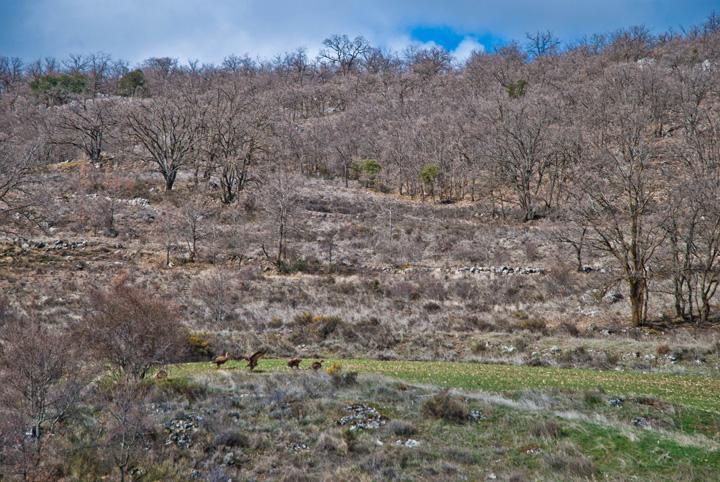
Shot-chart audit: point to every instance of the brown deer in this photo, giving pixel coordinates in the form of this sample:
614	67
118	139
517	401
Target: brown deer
221	359
317	365
294	363
253	359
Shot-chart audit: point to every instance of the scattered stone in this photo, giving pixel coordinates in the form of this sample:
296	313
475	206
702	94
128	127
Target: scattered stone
229	459
298	447
613	297
616	402
181	429
409	443
362	417
476	416
641	422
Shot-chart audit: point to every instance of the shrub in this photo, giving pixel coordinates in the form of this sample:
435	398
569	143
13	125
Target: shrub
331	444
133	330
662	349
546	429
569	328
401	428
533	325
570	460
231	438
429	173
199	346
366	171
447	407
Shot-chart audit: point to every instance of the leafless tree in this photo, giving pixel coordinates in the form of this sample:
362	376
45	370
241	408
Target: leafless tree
344	53
619	192
126	426
168	129
18	159
237	137
192	224
541	43
86	124
41	387
280	193
131	329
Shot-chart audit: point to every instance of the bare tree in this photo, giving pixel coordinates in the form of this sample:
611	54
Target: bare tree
41	386
86	124
280	193
238	128
344	53
192	223
18	159
540	44
520	146
168	129
126	426
619	191
132	330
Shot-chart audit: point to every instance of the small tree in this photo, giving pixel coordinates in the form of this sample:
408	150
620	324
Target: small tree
367	171
126	427
281	196
428	176
40	388
131	84
132	330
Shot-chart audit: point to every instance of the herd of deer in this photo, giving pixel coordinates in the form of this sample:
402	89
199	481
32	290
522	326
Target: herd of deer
252	360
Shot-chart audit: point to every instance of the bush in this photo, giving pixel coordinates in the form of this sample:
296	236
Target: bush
401	429
199	346
133	330
546	429
340	378
532	325
231	438
309	327
331	444
570	460
366	171
662	349
447	407
569	328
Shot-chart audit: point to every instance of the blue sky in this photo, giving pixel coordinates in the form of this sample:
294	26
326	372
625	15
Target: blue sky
208	30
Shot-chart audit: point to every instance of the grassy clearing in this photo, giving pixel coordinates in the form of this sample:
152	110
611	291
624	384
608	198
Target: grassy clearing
572	434
690	390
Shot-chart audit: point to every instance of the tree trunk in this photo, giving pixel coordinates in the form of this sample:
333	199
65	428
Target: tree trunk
637	301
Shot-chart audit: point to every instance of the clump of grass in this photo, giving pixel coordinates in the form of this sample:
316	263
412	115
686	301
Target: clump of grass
592	398
569	328
401	428
331	444
231	438
171	387
446	407
339	377
662	349
546	429
569	460
532	325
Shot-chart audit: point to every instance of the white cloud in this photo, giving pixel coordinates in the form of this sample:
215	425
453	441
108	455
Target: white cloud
468	45
211	29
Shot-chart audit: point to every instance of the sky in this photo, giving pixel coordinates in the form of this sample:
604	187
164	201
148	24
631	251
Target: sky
209	30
